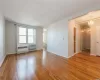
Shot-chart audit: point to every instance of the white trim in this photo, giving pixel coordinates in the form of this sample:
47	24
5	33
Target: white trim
93	54
56	54
73	55
11	53
64	56
1	62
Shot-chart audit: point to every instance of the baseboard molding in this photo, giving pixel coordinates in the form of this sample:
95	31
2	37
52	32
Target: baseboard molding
64	56
93	54
56	54
2	60
39	49
73	54
11	53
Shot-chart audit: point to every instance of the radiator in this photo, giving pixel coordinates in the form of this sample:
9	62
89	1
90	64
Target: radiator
32	47
23	48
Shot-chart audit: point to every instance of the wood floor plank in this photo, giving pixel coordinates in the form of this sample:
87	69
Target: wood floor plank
42	65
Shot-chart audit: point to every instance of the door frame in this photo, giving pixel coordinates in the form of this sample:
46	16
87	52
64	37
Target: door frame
74	35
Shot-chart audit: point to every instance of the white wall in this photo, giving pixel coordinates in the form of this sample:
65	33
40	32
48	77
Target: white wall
39	38
57	38
52	40
11	38
60	38
93	36
2	38
71	26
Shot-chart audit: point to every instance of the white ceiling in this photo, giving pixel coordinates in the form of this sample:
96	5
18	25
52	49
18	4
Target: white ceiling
43	12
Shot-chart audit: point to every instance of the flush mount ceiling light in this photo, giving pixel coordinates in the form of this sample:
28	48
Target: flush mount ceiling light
90	22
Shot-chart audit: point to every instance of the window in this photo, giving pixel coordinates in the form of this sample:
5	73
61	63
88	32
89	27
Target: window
22	35
31	35
27	35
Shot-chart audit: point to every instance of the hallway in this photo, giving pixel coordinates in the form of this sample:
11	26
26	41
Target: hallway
40	65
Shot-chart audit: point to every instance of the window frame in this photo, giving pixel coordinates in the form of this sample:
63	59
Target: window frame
26	34
31	35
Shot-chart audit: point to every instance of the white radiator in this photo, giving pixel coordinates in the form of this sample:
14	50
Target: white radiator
32	47
24	48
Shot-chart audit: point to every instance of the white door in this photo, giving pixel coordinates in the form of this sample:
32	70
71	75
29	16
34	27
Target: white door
98	40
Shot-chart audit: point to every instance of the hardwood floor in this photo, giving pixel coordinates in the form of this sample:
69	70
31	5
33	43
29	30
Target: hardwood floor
42	66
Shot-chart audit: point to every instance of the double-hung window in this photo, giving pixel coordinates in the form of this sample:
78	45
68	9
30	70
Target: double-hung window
31	36
26	35
22	35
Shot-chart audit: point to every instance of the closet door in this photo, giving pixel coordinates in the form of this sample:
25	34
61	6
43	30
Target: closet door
98	40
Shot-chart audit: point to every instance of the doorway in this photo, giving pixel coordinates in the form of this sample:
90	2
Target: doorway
85	37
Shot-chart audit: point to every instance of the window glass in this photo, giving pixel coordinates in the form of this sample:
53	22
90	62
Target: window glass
30	31
22	31
27	35
22	39
30	39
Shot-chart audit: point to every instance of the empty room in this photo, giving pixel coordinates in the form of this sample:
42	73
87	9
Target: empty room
49	40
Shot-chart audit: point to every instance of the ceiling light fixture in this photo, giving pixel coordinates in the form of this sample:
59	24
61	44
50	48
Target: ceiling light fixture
90	22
